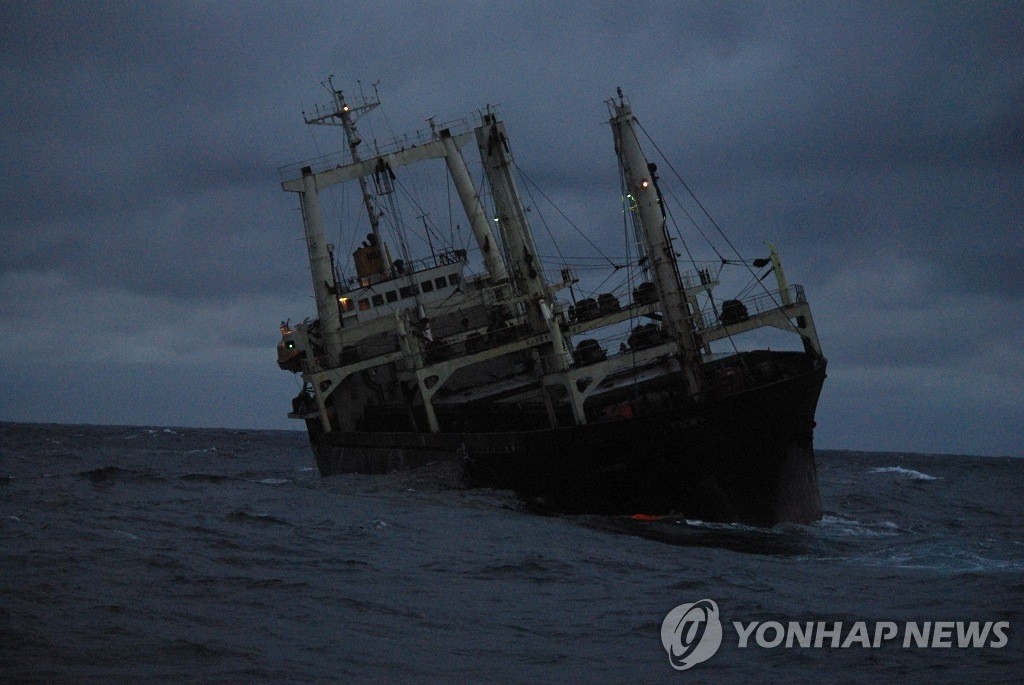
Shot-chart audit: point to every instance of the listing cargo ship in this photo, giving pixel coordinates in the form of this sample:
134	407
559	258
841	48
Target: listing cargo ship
482	356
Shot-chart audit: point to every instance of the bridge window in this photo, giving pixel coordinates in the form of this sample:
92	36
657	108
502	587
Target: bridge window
439	282
391	296
427	286
364	304
377	300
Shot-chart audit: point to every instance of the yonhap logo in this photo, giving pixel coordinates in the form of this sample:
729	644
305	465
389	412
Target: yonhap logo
691	633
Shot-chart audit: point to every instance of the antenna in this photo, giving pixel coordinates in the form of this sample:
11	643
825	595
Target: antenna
339	109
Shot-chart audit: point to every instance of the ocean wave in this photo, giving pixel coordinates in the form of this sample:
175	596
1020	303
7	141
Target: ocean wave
909	473
205	478
532	569
203	651
109	475
784	540
944	559
275	584
247	517
119	535
718	525
850	528
152	432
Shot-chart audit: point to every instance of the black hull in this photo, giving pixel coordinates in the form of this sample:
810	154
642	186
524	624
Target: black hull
747	457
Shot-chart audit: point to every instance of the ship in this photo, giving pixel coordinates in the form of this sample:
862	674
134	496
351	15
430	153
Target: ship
483	357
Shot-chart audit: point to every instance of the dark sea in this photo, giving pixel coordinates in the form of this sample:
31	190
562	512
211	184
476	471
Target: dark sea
220	556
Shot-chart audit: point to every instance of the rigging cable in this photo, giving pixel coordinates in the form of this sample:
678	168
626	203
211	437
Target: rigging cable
430	229
711	299
577	228
627	219
541	215
706	213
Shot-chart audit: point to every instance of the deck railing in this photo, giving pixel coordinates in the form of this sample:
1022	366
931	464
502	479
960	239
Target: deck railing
759	304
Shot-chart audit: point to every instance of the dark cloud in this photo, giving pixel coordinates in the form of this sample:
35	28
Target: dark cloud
879	145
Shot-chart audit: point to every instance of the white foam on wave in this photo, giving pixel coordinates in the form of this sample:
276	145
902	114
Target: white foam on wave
712	525
273	481
909	473
120	535
943	560
208	449
852	528
147	431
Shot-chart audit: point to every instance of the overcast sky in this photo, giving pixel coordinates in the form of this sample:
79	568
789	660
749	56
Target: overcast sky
148	252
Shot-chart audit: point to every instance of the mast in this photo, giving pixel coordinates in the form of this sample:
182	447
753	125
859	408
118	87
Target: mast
343	114
491	251
649	213
322	267
510	215
515	230
780	276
